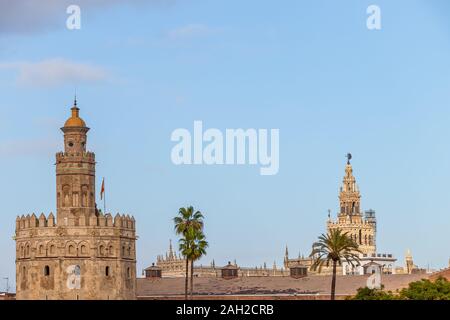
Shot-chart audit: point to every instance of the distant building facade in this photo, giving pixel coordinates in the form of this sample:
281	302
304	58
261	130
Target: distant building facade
173	265
80	253
382	263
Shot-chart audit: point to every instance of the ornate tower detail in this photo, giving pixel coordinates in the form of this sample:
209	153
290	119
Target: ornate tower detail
349	196
83	254
361	228
75	173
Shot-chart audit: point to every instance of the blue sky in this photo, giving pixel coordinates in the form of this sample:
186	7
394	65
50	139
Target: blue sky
312	69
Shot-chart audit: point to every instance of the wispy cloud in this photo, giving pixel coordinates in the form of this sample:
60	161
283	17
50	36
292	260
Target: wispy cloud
191	31
55	72
32	16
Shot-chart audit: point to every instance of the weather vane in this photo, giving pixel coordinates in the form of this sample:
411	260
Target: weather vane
349	157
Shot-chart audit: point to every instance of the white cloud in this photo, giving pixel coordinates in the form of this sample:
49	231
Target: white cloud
190	31
55	72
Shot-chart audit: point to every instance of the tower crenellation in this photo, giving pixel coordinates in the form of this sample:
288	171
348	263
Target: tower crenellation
119	222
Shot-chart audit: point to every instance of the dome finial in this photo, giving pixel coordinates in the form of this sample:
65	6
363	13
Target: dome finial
75	120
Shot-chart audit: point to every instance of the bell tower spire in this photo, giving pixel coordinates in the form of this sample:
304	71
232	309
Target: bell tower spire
349	196
360	227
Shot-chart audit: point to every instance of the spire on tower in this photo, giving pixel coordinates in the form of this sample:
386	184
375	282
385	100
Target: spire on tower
349	194
75	120
170	249
408	254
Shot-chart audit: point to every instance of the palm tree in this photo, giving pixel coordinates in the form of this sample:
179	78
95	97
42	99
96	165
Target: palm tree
185	220
186	251
334	247
198	249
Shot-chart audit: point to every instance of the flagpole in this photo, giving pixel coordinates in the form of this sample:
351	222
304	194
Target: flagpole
104	196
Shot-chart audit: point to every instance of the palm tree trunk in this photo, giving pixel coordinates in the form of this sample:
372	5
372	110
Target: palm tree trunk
333	281
192	277
186	280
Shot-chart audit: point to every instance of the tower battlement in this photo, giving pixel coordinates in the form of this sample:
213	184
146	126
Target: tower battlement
361	222
117	222
62	156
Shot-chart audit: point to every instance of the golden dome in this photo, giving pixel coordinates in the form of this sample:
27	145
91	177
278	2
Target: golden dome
75	120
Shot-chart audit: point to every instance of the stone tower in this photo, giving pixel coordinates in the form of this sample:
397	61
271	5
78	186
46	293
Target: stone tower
360	227
83	254
409	263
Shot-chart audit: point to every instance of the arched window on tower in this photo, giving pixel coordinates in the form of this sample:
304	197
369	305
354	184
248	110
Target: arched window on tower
46	271
107	271
360	237
66	196
84	196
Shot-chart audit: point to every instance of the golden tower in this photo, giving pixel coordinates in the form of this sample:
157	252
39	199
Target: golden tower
84	253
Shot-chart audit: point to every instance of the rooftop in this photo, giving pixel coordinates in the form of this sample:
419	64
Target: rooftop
270	286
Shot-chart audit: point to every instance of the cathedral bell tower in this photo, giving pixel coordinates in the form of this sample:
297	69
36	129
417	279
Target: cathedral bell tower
75	173
360	227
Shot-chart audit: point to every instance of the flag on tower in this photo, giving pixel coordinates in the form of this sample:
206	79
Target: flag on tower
102	190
